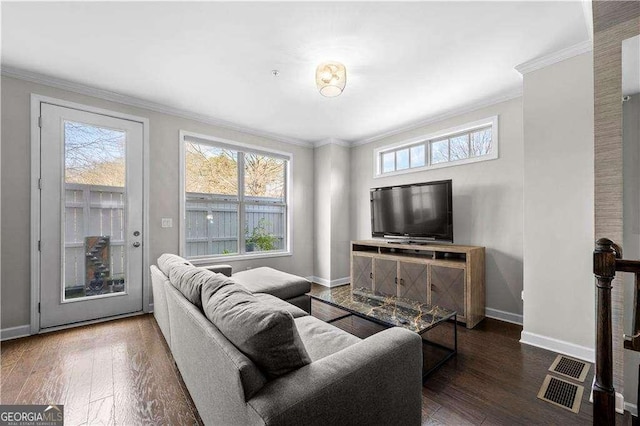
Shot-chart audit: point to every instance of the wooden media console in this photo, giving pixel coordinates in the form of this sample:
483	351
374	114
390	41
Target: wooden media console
450	276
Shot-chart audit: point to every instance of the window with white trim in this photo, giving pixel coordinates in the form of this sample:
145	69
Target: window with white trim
470	143
234	200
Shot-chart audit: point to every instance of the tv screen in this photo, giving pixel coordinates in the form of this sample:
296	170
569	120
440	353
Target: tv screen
421	211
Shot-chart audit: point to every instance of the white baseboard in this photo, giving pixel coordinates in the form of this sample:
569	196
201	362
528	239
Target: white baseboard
329	283
503	316
15	332
620	403
559	346
632	408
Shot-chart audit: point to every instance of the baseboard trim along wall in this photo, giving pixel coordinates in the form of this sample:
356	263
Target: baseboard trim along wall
329	283
503	315
15	332
559	346
630	407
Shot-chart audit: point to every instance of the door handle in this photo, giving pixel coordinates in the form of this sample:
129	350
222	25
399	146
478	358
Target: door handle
371	275
136	244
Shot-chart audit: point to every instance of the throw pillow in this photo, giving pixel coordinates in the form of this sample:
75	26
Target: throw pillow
267	335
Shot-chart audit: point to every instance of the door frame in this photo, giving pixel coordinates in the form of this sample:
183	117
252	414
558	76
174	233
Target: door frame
36	101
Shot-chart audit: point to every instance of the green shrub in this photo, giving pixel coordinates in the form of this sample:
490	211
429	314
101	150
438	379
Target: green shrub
261	238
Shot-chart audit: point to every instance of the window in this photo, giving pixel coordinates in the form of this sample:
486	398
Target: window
470	143
235	200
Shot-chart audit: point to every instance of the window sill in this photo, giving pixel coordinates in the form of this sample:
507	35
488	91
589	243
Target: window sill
213	260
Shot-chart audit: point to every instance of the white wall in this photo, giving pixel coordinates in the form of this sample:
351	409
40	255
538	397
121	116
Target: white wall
340	219
331	217
631	235
559	207
322	212
487	200
163	202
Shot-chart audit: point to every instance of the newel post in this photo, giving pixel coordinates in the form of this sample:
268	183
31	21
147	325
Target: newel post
604	268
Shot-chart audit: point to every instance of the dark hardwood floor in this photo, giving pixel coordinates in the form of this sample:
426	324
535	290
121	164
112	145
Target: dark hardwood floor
493	380
117	372
121	372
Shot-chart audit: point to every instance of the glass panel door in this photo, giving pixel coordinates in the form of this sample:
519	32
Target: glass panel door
91	216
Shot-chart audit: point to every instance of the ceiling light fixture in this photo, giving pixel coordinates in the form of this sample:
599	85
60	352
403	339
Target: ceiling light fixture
331	77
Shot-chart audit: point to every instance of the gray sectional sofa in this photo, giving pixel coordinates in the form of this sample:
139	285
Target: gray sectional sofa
344	380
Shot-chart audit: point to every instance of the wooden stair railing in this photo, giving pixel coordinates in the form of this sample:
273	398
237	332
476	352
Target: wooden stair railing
607	259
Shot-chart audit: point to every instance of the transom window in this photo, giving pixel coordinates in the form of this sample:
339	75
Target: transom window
234	198
473	142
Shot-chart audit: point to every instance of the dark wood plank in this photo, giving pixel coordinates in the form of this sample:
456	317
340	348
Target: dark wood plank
76	404
135	401
101	412
171	399
102	374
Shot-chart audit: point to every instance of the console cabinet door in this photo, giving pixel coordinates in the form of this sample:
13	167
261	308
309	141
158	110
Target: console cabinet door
413	281
361	272
447	288
385	273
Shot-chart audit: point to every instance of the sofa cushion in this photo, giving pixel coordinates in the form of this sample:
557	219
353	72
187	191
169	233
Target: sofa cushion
322	339
281	304
167	260
189	280
197	346
264	333
274	282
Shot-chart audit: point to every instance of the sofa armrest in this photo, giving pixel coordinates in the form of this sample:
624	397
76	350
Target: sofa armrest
221	269
375	381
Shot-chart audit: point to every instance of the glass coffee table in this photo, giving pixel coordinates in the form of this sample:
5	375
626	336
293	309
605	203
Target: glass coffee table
391	311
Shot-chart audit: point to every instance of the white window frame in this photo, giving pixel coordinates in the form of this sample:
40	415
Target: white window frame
186	136
432	137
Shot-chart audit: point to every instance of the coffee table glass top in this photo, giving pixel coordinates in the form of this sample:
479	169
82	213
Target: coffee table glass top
387	310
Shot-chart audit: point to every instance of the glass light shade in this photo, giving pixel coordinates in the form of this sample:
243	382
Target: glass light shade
331	77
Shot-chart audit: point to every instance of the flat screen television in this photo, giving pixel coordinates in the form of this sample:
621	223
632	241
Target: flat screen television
419	212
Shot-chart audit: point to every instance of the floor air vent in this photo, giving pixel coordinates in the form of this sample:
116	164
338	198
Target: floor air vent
570	367
561	393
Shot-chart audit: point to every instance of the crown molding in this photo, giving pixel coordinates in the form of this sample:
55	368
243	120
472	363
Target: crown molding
444	116
555	57
332	141
107	95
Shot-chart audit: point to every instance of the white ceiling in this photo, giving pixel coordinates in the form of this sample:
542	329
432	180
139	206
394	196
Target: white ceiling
405	62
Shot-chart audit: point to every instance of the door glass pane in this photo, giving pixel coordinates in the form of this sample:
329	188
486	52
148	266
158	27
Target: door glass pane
94	210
